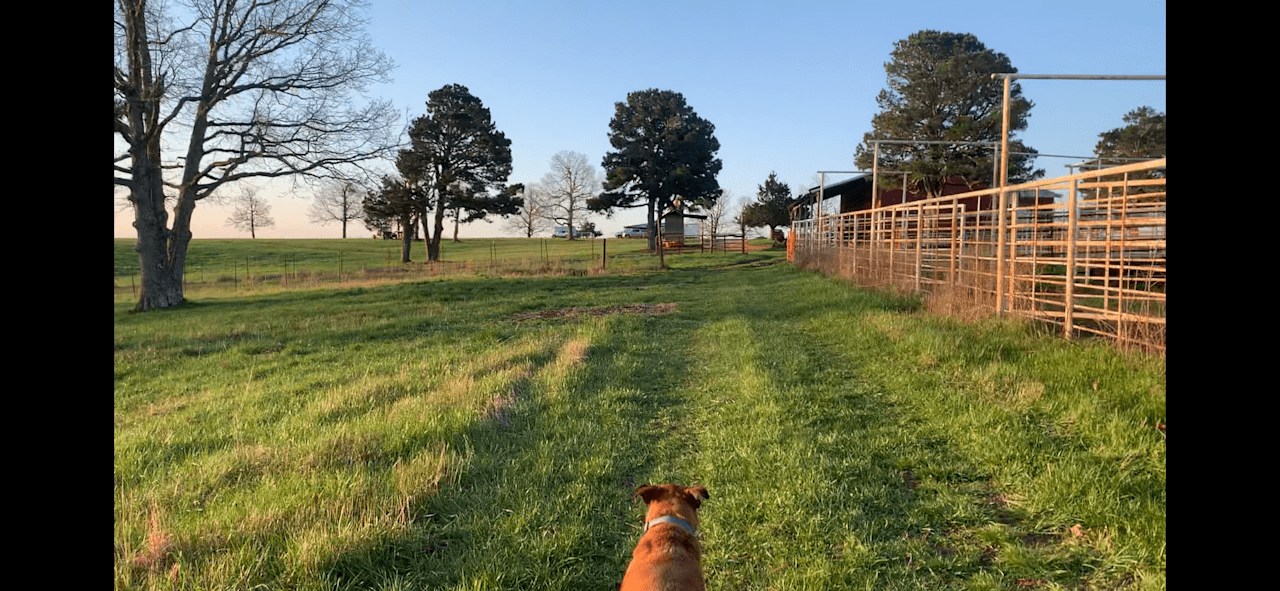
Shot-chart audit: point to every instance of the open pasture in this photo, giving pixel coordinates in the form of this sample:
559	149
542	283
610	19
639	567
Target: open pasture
219	266
474	431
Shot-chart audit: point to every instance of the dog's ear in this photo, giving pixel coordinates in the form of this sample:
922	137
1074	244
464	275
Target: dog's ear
648	492
695	492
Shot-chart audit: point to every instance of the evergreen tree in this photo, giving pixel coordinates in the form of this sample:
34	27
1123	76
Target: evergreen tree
663	154
458	162
393	202
771	205
1143	137
940	89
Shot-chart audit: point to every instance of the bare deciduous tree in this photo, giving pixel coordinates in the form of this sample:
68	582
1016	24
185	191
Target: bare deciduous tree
567	187
338	201
717	211
220	91
533	217
740	218
251	212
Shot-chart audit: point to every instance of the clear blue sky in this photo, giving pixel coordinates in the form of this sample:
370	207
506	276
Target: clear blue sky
790	86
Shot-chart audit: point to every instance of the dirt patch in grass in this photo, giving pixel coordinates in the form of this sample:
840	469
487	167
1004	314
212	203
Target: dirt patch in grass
576	313
158	555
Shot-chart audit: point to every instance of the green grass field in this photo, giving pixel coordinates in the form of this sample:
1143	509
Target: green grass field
215	267
486	431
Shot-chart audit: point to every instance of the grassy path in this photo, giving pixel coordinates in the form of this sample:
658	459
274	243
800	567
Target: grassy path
847	441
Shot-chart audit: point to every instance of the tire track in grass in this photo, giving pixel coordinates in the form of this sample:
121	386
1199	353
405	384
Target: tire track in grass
809	465
764	525
545	502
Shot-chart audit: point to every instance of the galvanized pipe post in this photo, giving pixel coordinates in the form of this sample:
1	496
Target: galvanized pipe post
874	243
919	242
1004	200
1004	157
818	206
1070	296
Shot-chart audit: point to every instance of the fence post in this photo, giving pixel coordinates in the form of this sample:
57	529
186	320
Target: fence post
951	271
1008	251
1004	200
1124	231
1068	320
893	238
873	242
853	246
960	251
919	242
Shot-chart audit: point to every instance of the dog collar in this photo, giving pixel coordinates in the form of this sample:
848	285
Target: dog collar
672	520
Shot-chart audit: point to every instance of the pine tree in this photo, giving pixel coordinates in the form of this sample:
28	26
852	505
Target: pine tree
1143	137
662	151
940	89
457	157
771	205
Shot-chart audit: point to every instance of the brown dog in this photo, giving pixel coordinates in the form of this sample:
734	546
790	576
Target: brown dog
668	557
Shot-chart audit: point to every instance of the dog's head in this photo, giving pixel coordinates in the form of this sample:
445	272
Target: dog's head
672	499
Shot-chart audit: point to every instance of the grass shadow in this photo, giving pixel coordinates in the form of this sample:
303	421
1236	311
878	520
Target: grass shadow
552	483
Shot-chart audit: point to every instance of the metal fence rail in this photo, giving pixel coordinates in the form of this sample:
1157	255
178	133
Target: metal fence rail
1090	261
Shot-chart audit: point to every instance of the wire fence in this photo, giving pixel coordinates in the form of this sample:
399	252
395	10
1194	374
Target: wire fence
1089	261
315	268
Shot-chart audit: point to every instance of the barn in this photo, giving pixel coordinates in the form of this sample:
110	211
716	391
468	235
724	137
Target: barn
854	194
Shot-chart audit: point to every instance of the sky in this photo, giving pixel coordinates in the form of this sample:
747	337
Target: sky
790	86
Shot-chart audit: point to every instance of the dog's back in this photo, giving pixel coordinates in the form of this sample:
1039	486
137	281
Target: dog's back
668	556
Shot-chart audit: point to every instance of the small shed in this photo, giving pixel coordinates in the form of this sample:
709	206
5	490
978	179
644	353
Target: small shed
675	226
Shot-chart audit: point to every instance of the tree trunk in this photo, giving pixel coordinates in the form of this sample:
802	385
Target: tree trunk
654	231
161	274
433	239
161	251
662	257
160	288
162	255
406	238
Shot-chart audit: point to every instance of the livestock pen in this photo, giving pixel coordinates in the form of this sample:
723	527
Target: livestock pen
1091	261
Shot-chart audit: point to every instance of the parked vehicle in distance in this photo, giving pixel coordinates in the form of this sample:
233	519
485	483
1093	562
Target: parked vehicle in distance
633	232
563	232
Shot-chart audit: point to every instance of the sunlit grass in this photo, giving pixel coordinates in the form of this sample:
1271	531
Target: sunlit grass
455	433
218	268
